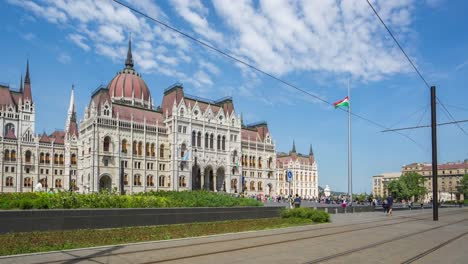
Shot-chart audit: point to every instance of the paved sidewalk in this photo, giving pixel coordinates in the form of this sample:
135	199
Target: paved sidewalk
351	238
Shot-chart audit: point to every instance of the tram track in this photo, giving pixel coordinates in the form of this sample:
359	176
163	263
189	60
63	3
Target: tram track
379	224
386	241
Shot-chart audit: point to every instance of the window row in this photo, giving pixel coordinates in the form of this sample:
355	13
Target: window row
163	181
250	161
209	141
137	147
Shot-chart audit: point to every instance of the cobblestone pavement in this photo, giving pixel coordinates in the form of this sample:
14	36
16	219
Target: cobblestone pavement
405	237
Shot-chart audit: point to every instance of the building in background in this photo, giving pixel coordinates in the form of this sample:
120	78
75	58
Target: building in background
449	176
305	174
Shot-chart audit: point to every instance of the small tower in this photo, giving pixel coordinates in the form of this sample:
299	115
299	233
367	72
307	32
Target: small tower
27	95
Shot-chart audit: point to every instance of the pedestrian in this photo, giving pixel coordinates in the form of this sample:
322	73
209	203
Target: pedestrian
410	205
297	201
384	206
422	204
390	204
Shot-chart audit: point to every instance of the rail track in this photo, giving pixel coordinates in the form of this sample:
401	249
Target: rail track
348	228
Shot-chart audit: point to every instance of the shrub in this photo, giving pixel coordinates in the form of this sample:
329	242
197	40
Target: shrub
306	213
67	200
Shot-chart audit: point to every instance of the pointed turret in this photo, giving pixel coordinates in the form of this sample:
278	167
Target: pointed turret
21	84
71	126
129	60
311	152
294	147
27	85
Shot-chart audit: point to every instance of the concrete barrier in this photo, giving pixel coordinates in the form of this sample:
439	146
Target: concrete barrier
45	220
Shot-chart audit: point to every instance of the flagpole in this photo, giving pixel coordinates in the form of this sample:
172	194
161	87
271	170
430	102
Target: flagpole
350	170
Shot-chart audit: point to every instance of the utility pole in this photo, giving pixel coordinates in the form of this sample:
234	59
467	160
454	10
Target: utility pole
435	208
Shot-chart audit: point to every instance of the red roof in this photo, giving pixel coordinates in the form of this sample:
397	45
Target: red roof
5	96
73	129
58	137
247	134
44	138
139	114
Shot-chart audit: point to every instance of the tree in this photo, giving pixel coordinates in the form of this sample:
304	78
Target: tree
408	185
463	186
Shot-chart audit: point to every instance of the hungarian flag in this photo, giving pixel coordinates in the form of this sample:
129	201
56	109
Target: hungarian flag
344	103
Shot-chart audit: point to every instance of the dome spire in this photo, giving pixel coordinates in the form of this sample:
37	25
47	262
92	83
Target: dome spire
294	147
129	60
21	84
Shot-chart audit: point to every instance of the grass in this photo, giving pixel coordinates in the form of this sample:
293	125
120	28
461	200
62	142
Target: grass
20	243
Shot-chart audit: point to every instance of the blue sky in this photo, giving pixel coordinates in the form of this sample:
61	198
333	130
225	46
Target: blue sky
316	45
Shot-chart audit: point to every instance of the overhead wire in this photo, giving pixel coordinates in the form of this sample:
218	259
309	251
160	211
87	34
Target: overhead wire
415	68
207	45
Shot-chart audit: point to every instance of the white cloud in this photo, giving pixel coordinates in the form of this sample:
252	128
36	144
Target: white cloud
461	65
79	40
195	13
333	36
28	36
209	67
64	58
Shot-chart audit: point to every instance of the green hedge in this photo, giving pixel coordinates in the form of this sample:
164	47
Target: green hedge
65	200
316	216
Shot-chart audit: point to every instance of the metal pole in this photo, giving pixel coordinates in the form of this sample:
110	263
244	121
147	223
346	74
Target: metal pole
350	168
435	209
121	178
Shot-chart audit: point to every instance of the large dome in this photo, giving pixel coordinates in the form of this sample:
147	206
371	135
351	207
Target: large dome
128	86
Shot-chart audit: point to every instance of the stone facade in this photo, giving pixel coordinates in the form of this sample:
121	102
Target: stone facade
187	143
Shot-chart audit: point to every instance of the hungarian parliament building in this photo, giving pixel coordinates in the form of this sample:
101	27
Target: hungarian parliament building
124	143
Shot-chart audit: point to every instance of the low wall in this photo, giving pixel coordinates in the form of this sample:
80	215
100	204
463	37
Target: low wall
44	220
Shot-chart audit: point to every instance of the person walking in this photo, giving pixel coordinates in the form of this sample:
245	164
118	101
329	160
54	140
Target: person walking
297	201
385	206
390	204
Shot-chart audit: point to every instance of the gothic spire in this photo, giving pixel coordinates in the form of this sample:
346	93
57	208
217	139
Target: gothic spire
21	84
294	147
129	60
26	79
311	152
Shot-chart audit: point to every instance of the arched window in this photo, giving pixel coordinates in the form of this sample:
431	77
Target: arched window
106	143
134	148
149	180
7	155
223	143
199	139
13	155
61	159
161	151
9	182
252	186
44	183
140	148
193	138
218	143
206	140
56	160
41	158
148	150
126	180
234	156
27	156
73	159
58	183
260	187
259	162
152	150
47	158
124	146
161	181
181	112
182	181
137	180
211	141
27	182
183	148
9	127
